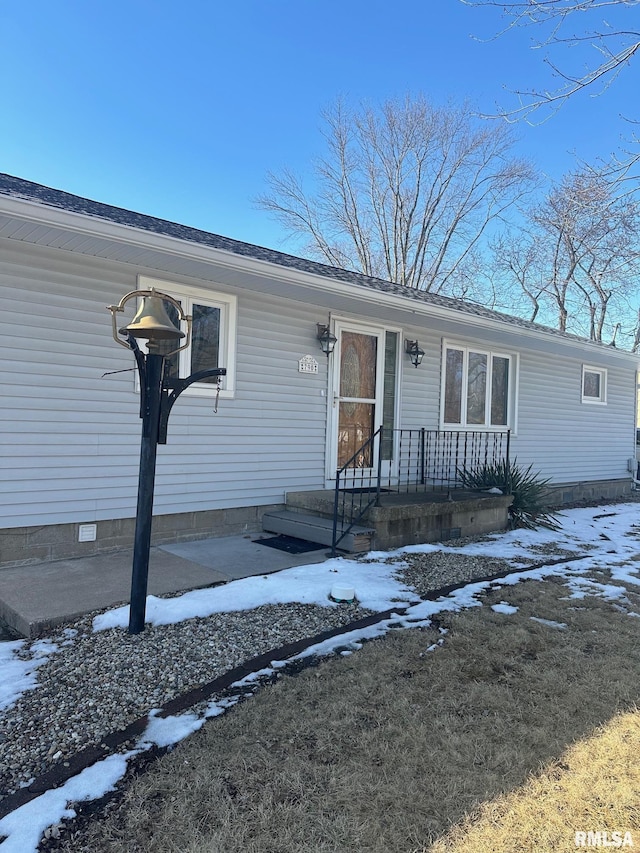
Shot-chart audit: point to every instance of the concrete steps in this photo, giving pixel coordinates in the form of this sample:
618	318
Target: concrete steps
399	519
316	528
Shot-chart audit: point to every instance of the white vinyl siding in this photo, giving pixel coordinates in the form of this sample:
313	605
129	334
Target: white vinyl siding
70	435
552	431
69	419
563	438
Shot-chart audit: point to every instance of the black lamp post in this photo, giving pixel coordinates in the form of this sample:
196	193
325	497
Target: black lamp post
158	393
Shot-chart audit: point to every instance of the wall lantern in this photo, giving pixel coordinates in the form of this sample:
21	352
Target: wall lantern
412	348
158	393
327	340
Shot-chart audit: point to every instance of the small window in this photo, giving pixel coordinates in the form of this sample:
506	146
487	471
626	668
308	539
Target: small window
594	384
212	335
477	388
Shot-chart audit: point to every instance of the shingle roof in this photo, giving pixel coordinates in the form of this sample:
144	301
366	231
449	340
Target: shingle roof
27	190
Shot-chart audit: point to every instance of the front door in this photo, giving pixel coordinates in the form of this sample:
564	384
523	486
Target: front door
356	397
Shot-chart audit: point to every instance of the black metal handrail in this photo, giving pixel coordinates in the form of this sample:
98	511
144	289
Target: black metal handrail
420	460
363	488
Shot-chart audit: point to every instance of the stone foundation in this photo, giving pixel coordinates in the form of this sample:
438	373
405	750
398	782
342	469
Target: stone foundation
589	492
26	545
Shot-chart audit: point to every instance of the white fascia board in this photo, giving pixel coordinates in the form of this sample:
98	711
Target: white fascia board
81	223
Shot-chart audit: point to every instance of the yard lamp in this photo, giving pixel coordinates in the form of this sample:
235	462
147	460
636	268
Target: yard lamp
327	340
158	393
412	348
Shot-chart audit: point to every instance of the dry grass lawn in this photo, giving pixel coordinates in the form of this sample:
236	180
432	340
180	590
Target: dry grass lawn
512	735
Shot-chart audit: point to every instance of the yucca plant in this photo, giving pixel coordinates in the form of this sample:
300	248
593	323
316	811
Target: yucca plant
528	488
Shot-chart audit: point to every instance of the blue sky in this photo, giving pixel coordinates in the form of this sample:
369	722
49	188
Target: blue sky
180	109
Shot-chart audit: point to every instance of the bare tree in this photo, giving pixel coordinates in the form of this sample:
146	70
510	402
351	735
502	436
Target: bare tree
520	272
577	257
611	42
635	345
405	192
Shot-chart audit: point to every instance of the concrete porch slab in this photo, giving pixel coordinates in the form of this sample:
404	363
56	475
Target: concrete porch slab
37	597
240	557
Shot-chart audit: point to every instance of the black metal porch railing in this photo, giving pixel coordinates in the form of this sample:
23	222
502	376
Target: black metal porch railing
433	459
405	461
357	488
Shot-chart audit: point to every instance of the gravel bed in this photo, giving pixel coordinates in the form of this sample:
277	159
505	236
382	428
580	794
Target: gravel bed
431	571
426	572
96	683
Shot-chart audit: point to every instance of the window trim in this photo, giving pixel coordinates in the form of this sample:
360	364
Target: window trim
512	392
228	306
602	373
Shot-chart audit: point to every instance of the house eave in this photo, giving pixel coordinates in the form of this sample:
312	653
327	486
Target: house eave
114	235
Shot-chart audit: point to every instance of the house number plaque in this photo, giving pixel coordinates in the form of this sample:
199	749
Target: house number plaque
307	364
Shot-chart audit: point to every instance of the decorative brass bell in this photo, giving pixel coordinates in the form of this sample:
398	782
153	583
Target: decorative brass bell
152	322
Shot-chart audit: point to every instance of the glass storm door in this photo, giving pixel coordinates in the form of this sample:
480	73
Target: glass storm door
358	372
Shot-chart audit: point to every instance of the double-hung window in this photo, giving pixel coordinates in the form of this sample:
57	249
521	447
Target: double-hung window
213	335
477	388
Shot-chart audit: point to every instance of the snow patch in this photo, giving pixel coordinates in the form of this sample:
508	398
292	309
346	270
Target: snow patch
503	607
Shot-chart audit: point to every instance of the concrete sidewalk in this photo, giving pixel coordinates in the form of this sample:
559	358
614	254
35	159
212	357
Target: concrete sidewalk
37	597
